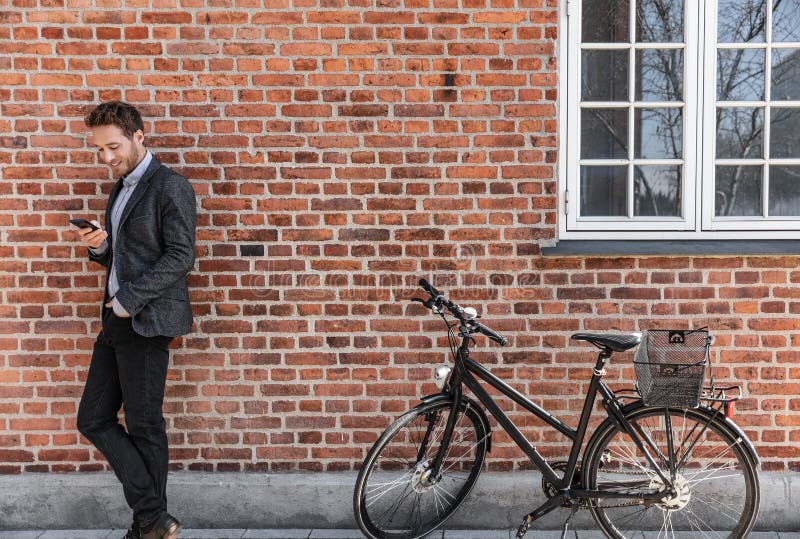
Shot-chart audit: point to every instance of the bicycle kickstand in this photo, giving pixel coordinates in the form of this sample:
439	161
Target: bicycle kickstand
572	512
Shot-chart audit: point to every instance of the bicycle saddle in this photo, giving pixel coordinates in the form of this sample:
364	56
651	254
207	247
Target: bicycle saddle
614	342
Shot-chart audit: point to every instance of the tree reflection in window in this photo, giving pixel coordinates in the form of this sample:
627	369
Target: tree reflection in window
741	77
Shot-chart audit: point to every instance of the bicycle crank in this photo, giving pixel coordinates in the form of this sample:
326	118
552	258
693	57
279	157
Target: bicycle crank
550	490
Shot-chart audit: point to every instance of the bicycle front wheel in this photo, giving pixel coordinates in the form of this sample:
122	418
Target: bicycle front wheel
712	471
396	494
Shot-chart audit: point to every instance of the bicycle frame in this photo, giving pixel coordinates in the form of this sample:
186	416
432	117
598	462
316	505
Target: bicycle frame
467	371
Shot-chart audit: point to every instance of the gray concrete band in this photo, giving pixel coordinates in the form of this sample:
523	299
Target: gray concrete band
302	500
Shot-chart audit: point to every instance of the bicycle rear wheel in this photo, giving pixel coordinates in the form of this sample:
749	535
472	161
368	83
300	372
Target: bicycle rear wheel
395	495
711	468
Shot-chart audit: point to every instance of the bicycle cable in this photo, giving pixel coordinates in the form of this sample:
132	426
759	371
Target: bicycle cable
452	340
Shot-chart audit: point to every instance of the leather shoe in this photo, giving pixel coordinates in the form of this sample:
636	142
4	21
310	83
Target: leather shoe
166	527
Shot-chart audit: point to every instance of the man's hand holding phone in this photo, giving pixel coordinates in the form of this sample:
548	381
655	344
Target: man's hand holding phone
92	235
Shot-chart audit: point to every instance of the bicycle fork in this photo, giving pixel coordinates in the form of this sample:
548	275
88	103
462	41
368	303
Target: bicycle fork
436	465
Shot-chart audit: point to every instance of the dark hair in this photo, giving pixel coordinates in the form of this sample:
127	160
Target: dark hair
123	115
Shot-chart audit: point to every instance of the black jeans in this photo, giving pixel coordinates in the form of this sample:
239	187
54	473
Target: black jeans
131	369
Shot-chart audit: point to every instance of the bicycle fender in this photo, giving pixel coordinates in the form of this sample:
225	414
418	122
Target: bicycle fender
746	443
467	401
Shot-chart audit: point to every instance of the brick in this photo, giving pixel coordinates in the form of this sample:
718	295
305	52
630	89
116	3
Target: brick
15	455
137	48
82	48
419	110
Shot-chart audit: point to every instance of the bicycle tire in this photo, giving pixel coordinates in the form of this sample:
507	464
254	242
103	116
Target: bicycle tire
718	489
393	498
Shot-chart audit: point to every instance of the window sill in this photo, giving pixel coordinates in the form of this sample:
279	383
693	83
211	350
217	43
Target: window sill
680	247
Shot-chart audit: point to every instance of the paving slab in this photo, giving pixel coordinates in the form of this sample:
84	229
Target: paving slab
276	534
336	534
79	534
212	534
477	534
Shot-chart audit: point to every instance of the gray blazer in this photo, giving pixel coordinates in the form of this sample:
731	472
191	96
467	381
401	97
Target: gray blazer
154	251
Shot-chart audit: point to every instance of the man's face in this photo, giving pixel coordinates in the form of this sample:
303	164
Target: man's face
116	150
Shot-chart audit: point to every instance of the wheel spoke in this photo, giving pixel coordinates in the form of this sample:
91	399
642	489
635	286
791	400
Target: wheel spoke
708	528
410	503
717	487
375	496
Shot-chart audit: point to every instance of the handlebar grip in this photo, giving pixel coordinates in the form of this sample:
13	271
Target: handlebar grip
496	337
429	288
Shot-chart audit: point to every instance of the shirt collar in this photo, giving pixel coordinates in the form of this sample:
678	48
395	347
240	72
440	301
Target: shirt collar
136	174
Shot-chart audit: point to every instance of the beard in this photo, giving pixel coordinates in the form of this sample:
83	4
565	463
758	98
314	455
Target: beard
131	162
128	163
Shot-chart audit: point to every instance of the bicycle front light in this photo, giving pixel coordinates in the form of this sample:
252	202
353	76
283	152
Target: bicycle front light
440	375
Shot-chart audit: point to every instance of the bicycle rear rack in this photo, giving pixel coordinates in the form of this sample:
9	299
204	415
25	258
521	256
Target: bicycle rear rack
720	398
715	397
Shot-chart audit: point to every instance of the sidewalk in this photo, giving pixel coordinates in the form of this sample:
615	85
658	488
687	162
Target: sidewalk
308	504
349	534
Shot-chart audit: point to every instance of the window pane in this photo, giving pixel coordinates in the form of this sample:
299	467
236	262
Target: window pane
659	75
740	133
658	133
738	191
604	133
784	136
657	191
741	21
786	74
740	75
604	75
786	20
784	190
659	21
604	191
605	21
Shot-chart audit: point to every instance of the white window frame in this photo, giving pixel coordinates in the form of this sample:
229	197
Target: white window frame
698	221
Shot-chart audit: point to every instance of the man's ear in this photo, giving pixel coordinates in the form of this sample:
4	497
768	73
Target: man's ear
138	136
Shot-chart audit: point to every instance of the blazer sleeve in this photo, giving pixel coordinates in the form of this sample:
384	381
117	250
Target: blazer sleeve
178	218
101	255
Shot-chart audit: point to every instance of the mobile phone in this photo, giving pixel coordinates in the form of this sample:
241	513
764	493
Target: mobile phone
83	223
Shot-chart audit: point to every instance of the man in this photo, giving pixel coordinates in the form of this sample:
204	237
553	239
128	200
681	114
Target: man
148	248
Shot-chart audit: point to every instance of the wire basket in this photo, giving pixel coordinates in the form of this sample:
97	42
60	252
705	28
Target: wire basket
670	367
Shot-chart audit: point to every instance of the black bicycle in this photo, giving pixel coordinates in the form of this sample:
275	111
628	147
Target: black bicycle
667	457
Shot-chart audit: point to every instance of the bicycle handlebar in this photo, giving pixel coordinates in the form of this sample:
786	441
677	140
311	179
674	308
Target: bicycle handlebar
437	301
496	337
429	288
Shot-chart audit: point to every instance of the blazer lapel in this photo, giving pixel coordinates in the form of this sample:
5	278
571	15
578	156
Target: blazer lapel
111	198
140	189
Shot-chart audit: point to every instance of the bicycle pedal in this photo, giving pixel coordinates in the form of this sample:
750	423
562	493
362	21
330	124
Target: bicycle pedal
523	528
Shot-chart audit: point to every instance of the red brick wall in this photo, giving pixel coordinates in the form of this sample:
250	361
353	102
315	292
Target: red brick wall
362	145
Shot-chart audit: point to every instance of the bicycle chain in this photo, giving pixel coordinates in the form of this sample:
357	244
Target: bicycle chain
561	465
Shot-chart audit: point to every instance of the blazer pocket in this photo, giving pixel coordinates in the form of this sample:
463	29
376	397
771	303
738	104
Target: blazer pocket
139	218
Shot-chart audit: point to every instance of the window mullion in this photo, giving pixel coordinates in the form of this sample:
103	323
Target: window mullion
767	109
631	98
693	112
706	115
